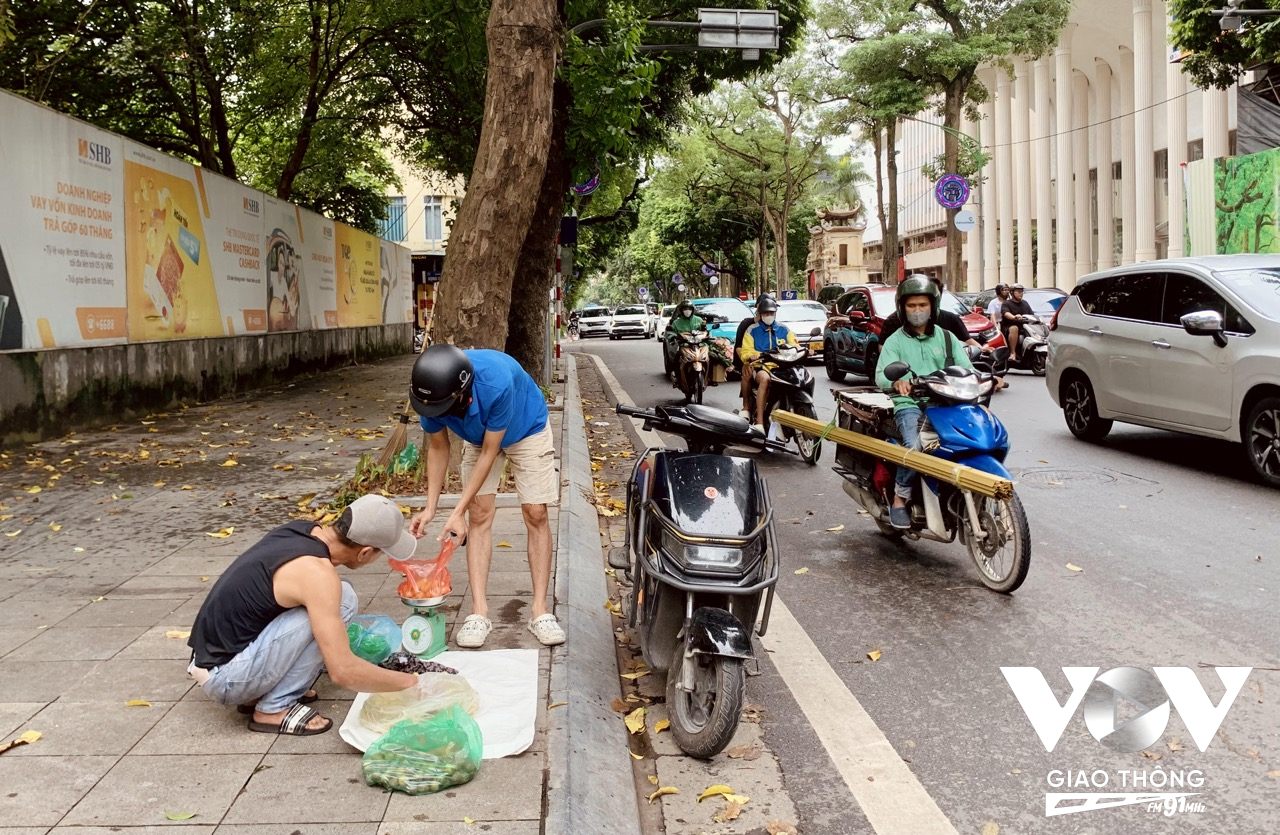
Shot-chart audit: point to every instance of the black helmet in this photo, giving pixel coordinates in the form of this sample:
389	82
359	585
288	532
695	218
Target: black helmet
441	380
1000	287
917	285
762	297
1013	287
766	305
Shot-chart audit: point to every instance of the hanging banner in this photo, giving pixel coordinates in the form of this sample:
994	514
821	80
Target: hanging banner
397	284
236	253
318	245
359	280
170	274
62	255
285	268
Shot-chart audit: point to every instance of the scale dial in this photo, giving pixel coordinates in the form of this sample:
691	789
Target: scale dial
417	634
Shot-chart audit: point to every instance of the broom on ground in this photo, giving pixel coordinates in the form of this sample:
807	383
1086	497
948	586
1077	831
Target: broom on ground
398	441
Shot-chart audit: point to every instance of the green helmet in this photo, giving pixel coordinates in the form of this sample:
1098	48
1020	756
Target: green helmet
918	285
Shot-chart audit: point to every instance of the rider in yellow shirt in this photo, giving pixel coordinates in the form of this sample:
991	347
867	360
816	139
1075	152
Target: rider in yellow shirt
764	336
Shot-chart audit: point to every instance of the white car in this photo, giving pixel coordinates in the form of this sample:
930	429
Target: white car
806	320
594	321
668	313
1191	345
631	320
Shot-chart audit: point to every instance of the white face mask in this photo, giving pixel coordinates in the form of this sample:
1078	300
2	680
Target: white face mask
918	318
768	320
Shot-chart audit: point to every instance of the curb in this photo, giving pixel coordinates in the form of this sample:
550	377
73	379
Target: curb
590	783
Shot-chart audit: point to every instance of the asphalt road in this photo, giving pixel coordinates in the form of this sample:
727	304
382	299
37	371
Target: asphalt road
1181	568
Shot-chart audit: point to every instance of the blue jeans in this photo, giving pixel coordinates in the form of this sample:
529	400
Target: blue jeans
279	666
908	420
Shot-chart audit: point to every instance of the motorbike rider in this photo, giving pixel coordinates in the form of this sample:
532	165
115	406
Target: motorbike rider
686	320
764	336
993	310
927	348
746	323
1011	313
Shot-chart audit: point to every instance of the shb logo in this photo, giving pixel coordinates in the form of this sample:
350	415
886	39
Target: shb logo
1125	690
94	152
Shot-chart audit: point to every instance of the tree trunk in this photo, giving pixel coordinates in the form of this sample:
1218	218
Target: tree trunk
952	107
877	146
527	319
891	232
488	237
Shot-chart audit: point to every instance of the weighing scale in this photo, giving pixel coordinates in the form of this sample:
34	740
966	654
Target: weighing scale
423	632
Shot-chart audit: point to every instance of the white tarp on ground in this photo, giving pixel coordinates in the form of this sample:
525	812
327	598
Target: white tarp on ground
507	681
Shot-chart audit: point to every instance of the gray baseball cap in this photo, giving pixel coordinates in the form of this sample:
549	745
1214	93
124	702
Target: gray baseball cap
377	521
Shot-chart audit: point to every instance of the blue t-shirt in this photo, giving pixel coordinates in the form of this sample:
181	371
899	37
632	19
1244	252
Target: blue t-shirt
503	397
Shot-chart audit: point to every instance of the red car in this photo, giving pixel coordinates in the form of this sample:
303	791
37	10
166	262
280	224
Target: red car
851	339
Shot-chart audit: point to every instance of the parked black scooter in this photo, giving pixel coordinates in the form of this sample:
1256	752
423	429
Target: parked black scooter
701	556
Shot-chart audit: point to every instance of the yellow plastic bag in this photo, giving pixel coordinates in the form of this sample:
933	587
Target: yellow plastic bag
435	692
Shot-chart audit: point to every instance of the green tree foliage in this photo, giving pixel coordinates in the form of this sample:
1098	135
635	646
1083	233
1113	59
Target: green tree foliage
1246	203
1217	58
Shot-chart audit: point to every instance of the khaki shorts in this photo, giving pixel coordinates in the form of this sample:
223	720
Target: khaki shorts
533	467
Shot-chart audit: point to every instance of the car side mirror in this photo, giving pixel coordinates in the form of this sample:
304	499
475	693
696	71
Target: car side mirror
1206	323
895	371
980	310
857	314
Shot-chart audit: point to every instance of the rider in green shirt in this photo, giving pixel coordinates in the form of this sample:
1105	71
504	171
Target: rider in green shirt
686	319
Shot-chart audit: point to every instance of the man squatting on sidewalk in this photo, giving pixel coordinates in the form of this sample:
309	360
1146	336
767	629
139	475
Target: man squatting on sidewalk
279	614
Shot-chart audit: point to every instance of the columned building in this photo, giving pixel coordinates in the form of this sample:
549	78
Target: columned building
419	216
1088	148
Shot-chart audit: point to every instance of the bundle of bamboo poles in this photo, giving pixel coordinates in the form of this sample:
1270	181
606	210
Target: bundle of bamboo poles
964	477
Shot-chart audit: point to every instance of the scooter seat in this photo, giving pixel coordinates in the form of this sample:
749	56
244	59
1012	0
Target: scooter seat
720	419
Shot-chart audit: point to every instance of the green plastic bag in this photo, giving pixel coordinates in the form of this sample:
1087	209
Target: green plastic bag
425	757
373	637
407	460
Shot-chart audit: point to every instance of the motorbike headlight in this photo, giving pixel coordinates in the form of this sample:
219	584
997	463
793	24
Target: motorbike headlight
713	558
957	388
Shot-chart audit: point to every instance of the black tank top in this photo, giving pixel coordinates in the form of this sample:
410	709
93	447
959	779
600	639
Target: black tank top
243	601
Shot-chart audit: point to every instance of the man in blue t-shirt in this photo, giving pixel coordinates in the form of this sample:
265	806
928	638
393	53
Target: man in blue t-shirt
488	400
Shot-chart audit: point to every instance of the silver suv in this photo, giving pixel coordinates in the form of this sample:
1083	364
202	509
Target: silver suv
1191	345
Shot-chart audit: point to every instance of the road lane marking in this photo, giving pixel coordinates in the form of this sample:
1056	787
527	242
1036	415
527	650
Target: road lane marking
895	802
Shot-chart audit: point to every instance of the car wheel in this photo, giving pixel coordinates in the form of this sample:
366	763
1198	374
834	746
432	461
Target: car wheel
1080	408
1262	440
829	360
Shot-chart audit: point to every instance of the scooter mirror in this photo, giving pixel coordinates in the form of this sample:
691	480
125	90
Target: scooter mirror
973	351
895	371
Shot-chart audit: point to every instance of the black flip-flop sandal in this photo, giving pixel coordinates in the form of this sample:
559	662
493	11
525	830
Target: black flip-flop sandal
294	723
247	710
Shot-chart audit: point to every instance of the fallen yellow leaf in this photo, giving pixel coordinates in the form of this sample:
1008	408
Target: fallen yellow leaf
804	570
204	579
715	791
78	549
730	812
179	816
468	821
137	703
177	633
158	484
635	720
98	599
635	675
740	799
35	489
222	534
186	487
230	462
306	500
664	790
991	828
653	780
55	527
661	725
285	467
1074	567
636	756
554	705
30	736
837	528
504	545
13	533
874	655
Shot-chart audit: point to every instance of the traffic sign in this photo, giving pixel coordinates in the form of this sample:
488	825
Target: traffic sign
790	295
715	279
644	292
677	279
709	270
952	191
742	296
965	221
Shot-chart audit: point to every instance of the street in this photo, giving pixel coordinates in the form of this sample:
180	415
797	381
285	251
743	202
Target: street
1150	550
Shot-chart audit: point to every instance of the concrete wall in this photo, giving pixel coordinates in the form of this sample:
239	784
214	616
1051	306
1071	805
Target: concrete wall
49	393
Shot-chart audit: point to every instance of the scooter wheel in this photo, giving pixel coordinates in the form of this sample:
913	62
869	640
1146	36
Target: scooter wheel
704	721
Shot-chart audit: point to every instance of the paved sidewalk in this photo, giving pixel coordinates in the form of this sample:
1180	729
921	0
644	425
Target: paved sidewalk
105	558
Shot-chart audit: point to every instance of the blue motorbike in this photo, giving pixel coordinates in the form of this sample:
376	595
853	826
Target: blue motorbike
957	426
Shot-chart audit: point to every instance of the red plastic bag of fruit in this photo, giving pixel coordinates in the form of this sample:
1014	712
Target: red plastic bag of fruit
425	579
